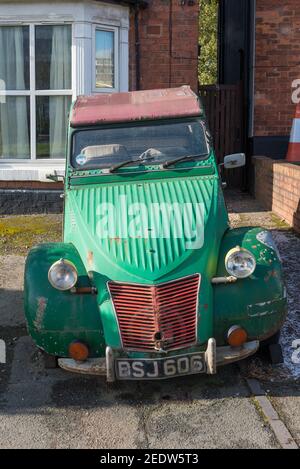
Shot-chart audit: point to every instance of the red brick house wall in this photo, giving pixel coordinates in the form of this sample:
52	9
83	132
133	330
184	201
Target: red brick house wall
277	64
168	32
277	188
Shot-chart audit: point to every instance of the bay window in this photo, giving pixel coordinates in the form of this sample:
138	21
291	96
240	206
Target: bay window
48	56
35	91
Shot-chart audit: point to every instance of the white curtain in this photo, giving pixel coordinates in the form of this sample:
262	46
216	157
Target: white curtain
14	130
60	79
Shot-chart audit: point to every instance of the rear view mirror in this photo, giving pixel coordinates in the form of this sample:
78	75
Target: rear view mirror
235	161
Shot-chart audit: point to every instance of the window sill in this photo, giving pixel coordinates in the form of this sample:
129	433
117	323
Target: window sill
30	171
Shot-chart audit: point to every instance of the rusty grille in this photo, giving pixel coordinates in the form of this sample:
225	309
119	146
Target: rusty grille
157	317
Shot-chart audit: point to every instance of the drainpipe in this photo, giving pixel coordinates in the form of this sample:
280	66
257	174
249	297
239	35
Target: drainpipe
170	42
137	46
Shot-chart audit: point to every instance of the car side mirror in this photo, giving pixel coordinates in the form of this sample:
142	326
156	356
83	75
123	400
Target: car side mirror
235	161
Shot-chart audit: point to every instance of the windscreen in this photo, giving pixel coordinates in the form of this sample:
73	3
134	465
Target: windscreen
139	144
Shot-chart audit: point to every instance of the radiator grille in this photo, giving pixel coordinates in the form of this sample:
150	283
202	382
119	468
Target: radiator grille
157	317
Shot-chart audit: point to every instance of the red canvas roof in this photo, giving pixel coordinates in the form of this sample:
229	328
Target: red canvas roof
135	105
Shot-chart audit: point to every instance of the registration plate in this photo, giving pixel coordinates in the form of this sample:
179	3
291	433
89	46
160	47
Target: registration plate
160	368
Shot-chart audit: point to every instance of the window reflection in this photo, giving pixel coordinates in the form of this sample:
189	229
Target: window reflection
105	73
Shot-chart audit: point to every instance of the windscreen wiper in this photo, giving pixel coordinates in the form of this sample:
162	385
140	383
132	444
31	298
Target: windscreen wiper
114	168
124	163
182	158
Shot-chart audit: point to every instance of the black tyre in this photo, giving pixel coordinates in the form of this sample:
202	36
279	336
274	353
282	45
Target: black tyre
274	340
270	349
50	361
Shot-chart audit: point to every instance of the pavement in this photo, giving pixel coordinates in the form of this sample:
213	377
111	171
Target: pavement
42	408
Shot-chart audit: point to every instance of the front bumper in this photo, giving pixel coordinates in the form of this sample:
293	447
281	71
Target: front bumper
214	357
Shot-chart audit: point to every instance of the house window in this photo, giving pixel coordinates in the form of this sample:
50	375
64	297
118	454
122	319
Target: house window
35	90
106	59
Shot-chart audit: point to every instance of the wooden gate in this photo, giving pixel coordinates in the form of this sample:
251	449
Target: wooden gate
224	109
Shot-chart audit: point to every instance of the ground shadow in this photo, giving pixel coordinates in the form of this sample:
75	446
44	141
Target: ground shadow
237	201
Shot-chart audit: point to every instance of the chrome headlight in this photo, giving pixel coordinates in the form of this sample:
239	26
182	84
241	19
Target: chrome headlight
63	275
240	263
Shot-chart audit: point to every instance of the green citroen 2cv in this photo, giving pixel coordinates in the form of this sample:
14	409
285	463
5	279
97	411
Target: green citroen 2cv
150	281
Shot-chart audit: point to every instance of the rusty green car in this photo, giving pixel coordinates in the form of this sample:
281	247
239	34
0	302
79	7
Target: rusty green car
149	281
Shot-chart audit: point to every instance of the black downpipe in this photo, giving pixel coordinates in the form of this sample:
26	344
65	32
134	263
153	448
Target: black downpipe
137	48
170	42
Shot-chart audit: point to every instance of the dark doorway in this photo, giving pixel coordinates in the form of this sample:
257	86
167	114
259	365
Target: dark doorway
235	60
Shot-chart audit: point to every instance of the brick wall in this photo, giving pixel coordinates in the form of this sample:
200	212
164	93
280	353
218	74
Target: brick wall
27	197
28	201
168	44
277	65
32	185
277	188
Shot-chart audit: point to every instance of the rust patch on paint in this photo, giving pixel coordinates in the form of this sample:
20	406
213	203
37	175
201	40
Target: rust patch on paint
116	239
90	258
40	312
135	106
270	275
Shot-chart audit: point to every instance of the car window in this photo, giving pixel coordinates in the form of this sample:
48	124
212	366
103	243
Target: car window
149	143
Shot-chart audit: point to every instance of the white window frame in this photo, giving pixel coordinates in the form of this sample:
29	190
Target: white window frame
33	93
115	30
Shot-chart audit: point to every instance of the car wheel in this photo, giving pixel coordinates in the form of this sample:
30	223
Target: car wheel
271	349
274	340
50	361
